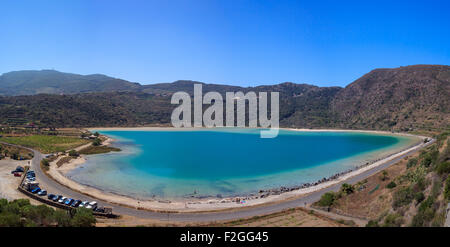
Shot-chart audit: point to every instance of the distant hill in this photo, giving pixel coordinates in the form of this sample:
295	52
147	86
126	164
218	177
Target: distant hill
31	82
405	98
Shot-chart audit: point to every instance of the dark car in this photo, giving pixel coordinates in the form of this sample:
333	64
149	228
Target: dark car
56	198
35	190
76	203
50	196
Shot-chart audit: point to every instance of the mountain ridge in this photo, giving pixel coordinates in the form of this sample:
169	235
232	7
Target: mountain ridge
404	98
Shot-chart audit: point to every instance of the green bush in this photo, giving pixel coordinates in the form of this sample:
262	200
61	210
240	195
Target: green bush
443	168
393	220
327	199
391	185
97	142
403	197
419	197
372	223
20	213
73	153
83	218
412	162
347	188
447	188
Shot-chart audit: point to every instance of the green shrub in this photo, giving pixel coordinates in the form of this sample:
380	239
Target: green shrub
73	153
372	223
83	218
447	188
412	162
97	142
391	185
419	197
347	188
443	168
403	197
393	220
327	199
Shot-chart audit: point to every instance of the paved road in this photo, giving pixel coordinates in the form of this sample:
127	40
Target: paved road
56	188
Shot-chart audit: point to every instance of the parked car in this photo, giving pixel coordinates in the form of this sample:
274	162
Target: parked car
92	205
83	204
68	201
56	198
76	203
62	199
18	169
50	196
35	190
100	209
42	193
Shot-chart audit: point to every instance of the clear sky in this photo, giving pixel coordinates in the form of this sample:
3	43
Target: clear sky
245	43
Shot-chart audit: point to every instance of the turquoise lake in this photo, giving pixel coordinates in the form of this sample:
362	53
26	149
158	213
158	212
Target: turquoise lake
227	162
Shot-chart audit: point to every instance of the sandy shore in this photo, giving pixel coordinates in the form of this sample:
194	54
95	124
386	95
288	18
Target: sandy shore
203	204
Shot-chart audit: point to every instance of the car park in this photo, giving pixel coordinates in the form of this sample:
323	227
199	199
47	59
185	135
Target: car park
42	193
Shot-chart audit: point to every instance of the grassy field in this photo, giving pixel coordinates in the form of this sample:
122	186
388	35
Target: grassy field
46	144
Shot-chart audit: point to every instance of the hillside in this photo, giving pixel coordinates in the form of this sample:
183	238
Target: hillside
30	82
405	98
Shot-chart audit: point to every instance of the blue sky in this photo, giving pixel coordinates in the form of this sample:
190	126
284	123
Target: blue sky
325	43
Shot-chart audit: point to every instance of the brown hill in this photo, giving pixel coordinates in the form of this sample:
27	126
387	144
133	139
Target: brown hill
405	98
401	98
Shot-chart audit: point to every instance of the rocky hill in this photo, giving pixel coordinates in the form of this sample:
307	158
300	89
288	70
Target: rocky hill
405	98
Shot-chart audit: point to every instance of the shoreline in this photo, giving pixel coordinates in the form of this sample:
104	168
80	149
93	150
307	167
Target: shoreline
210	204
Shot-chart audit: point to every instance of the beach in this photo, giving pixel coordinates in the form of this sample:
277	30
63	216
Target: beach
208	204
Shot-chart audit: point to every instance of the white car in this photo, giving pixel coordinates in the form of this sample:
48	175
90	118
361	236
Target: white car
62	199
91	205
83	204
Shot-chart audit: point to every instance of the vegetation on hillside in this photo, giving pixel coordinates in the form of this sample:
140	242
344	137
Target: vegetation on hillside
414	193
403	99
20	213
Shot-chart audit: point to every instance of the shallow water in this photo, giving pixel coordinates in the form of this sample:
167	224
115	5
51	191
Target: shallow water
227	162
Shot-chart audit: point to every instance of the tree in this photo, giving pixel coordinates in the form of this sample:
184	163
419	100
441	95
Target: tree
83	218
384	175
97	142
391	185
347	188
62	218
327	199
96	134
